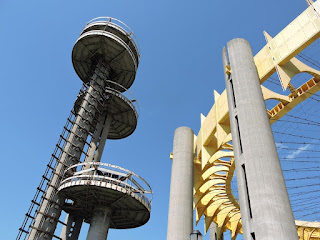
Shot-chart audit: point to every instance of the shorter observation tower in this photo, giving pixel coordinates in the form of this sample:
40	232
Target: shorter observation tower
106	58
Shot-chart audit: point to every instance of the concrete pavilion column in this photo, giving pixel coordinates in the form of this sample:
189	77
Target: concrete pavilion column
100	223
180	217
265	207
213	234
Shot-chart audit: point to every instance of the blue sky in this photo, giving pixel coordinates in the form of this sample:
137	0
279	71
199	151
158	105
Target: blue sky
181	44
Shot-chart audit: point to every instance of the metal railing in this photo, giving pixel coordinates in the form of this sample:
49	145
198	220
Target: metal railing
126	94
121	25
107	173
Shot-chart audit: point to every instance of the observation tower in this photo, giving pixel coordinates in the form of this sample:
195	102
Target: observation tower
106	58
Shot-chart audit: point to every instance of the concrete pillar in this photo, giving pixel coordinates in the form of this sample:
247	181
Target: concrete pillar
96	137
72	229
68	232
214	233
180	217
49	211
103	139
99	225
265	208
94	155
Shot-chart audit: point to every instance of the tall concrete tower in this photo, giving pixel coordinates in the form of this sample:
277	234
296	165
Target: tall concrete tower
265	207
180	216
106	59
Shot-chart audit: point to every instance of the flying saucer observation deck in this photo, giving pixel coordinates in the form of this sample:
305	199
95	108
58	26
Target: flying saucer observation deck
122	108
108	40
101	185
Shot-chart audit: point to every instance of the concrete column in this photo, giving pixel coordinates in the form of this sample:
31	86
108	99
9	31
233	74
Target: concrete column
68	232
265	208
95	140
214	233
94	155
72	230
180	219
99	225
49	211
103	139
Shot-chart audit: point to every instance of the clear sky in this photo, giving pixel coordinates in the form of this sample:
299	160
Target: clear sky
181	44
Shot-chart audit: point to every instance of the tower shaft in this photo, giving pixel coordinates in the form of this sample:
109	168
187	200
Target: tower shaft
72	228
50	210
100	223
102	126
94	155
180	217
265	208
213	232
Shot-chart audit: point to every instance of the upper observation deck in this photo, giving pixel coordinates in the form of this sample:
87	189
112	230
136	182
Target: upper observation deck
111	41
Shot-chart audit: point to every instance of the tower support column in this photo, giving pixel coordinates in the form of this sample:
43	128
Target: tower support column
214	233
100	223
180	219
94	155
69	232
265	207
103	139
49	211
72	229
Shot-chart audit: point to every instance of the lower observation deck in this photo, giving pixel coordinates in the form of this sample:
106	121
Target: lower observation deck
105	185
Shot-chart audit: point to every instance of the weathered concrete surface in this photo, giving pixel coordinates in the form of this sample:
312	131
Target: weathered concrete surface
265	208
213	232
99	225
180	218
72	229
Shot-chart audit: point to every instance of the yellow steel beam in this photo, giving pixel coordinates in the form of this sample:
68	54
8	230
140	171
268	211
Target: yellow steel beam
214	164
308	230
299	34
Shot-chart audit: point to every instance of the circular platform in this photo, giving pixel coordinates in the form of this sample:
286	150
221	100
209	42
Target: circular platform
123	110
106	185
117	28
111	41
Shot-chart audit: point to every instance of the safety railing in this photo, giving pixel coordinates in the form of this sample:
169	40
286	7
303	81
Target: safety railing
108	173
121	25
125	93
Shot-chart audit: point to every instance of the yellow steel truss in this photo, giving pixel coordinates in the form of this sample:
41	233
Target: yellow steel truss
213	197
